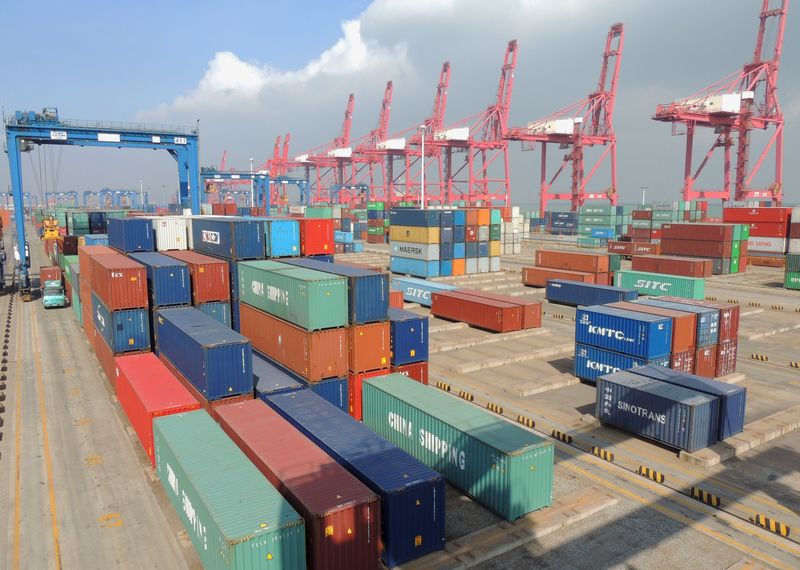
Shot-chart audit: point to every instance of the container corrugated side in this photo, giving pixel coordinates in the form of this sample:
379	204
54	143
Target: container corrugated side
422	251
627	332
130	234
504	467
168	279
658	284
271	378
732	398
231	238
210	279
409	337
214	359
707	319
488	314
575	294
591	362
684	323
334	391
231	513
119	282
418	290
412	495
342	515
681	418
171	232
220	311
309	299
126	330
282	238
414	267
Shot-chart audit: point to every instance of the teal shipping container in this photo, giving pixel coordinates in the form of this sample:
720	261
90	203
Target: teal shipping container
658	284
310	299
504	467
233	516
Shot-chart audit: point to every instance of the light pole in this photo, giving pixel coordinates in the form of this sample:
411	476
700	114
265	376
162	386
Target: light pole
644	193
422	129
252	194
141	194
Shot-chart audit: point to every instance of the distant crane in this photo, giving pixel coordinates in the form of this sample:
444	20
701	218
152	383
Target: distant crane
480	138
368	160
586	123
735	106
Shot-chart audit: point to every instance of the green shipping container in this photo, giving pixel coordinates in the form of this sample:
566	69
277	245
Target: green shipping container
68	261
736	249
494	231
375	231
319	212
737	232
642	224
657	284
504	467
745	231
76	307
598	210
233	516
495	217
312	300
614	261
793	262
591	242
375	205
734	265
792	280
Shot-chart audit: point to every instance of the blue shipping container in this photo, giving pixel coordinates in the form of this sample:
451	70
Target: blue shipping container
412	494
282	238
220	311
676	416
707	319
270	378
358	247
628	332
131	234
459	218
127	330
414	217
415	267
602	232
732	398
334	391
217	361
409	337
168	280
367	291
342	237
459	251
591	362
459	234
471	249
235	315
446	251
446	234
229	238
445	268
326	257
95	239
574	294
418	290
483	249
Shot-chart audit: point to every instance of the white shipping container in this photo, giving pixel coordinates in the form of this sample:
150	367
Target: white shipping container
297	209
483	233
517	248
494	264
171	233
766	244
794	245
206	209
483	265
423	251
472	265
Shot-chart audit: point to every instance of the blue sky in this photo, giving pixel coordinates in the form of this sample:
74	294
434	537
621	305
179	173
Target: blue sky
249	71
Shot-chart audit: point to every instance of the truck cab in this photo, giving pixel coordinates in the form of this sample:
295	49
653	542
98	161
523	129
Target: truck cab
53	294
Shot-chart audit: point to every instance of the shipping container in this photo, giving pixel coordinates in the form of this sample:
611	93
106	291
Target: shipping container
410	250
231	513
310	299
354	387
209	406
409	337
748	215
171	233
105	356
627	332
228	238
126	330
414	267
673	415
726	358
270	378
417	371
488	314
214	359
686	266
396	299
539	276
504	467
419	290
682	361
705	361
282	238
334	391
342	515
146	390
695	231
591	362
220	311
313	355
414	217
412	495
696	248
707	318
168	279
85	253
413	234
531	310
565	292
766	244
367	291
49	273
316	236
658	284
732	398
209	276
684	323
130	234
369	347
119	282
572	261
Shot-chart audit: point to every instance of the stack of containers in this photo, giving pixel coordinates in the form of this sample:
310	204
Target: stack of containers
561	223
512	232
769	230
298	317
724	244
412	494
415	242
316	236
360	222
583	267
377	222
369	331
168	282
210	284
85	269
211	361
98	223
281	237
629	249
129	235
77	222
171	232
610	339
599	223
659	284
73	282
409	338
119	306
792	274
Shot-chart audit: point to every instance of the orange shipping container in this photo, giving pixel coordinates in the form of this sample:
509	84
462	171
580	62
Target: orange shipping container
572	261
538	276
369	347
459	266
484	217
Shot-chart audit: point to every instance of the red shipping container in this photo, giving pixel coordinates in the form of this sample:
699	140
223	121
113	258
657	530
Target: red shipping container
375	223
316	236
313	355
748	215
88	325
396	300
646	248
531	310
337	223
218	209
106	358
743	259
706	232
726	357
146	390
68	291
705	361
119	282
696	248
794	230
85	253
369	347
338	248
683	361
342	516
684	325
472	217
495	316
686	266
620	247
210	276
354	385
417	371
728	315
208	406
642	215
375	239
572	261
655	234
471	233
767	229
538	276
49	273
641	232
231	209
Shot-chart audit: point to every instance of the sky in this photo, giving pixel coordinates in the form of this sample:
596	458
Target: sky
249	71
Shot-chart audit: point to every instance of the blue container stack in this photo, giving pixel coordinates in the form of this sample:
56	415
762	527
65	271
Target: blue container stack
561	223
572	293
131	234
414	258
622	337
707	319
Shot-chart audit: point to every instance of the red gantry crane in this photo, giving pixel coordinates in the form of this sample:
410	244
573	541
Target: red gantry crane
586	123
735	106
480	139
367	162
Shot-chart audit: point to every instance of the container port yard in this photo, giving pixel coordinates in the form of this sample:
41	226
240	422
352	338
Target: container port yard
372	354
